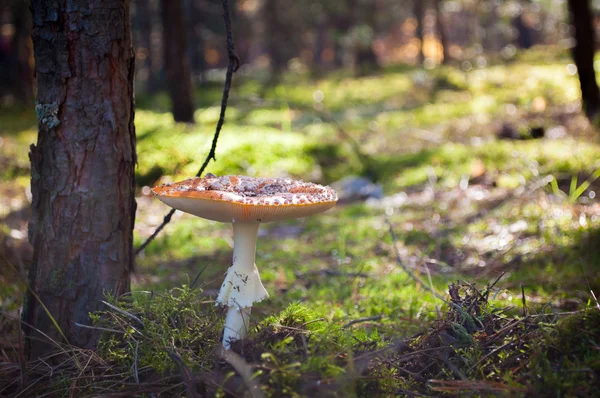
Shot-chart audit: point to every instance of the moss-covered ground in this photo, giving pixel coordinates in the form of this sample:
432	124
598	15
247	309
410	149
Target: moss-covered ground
461	206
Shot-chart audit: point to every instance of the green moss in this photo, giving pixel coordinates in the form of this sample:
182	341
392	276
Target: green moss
301	345
566	362
151	329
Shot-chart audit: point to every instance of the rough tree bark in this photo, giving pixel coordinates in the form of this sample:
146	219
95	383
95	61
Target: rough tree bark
177	63
583	55
82	168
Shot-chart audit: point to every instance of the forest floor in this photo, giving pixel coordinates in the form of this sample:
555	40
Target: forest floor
469	270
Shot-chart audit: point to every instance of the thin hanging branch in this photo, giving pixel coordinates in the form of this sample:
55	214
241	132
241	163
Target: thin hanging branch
232	67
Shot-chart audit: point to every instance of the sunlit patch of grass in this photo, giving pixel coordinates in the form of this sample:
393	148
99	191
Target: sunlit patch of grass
178	150
520	160
338	94
268	117
520	83
16	134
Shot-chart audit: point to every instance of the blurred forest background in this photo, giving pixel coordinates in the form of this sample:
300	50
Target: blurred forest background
312	37
462	139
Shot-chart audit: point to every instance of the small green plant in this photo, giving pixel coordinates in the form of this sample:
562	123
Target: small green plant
144	329
575	189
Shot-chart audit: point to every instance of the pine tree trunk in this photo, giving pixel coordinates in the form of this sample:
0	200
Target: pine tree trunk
21	43
419	13
441	28
583	55
319	45
525	34
493	37
177	63
196	20
145	11
82	168
275	37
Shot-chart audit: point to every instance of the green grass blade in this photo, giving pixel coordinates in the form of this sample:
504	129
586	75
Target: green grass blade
573	186
585	185
554	185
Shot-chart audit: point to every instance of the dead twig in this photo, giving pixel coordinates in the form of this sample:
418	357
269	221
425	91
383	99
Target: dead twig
523	300
198	276
21	347
186	374
365	319
490	354
123	312
455	386
489	288
243	369
136	373
98	328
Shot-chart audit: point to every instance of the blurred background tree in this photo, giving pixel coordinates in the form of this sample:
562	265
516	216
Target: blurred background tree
16	52
314	35
177	60
584	49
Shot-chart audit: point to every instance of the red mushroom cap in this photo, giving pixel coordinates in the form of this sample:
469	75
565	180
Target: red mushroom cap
246	199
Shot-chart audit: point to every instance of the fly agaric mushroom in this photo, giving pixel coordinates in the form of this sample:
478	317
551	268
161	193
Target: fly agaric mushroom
245	202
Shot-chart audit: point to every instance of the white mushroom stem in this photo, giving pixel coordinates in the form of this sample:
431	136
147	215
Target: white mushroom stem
242	286
236	325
